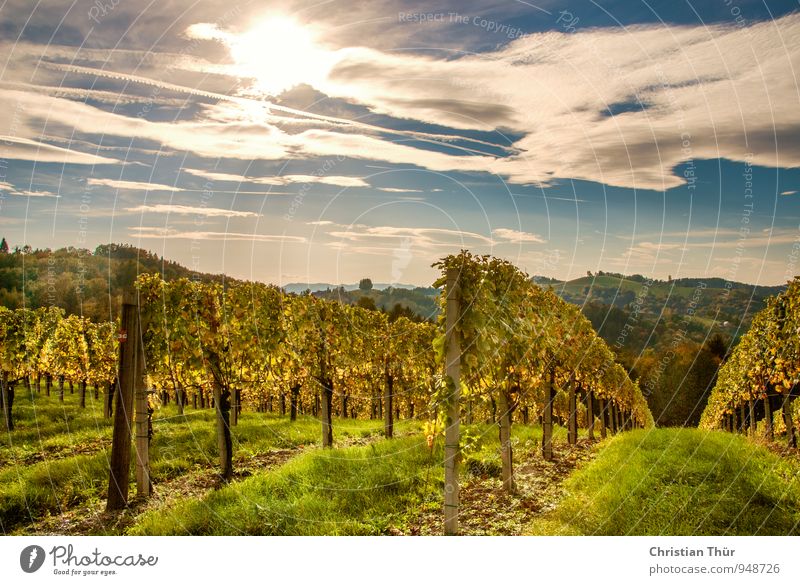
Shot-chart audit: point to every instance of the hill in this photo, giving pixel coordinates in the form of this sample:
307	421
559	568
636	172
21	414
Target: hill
81	281
314	287
694	302
670	335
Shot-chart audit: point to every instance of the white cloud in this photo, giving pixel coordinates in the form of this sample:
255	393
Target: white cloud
400	190
12	190
166	233
710	92
130	185
517	237
20	148
337	180
190	210
419	237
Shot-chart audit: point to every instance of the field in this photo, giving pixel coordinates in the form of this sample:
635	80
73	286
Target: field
54	474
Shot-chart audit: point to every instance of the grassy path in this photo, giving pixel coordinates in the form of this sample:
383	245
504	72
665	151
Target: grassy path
680	482
54	470
54	467
389	487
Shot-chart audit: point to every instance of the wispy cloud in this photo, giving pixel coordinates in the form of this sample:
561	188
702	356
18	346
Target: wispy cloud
129	185
400	190
10	189
337	180
190	210
420	237
517	237
166	233
563	120
19	148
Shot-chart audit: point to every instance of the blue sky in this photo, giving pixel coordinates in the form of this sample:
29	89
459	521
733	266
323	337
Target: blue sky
327	141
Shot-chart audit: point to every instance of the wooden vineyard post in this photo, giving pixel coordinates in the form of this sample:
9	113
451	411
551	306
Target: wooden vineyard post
143	484
293	399
388	395
603	430
743	419
129	371
612	411
452	423
326	412
590	414
547	416
791	437
752	415
505	442
572	424
770	429
222	407
326	383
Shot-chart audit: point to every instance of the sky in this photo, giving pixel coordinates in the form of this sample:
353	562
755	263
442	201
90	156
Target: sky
327	141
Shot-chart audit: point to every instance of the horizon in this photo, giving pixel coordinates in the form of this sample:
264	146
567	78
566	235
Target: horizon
565	138
377	283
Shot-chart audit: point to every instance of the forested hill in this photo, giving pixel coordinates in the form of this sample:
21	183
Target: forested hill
651	308
671	335
80	281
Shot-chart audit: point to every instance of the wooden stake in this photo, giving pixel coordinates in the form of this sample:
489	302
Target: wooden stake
547	416
742	419
572	424
791	437
452	422
612	411
505	442
326	412
603	408
388	396
129	372
770	428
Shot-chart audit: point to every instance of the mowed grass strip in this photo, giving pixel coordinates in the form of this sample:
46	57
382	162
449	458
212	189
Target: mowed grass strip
354	491
680	482
348	491
69	448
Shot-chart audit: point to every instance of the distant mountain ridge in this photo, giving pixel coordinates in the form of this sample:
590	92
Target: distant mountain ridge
301	287
90	282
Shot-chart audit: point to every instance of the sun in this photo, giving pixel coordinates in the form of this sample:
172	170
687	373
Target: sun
279	53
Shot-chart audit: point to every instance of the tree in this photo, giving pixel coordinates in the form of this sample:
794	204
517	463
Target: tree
3	246
365	284
366	303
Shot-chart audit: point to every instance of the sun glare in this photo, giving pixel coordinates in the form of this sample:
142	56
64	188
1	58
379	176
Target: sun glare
279	53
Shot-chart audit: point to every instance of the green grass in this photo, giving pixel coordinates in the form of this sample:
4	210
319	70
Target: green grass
57	457
356	490
350	491
662	481
680	482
